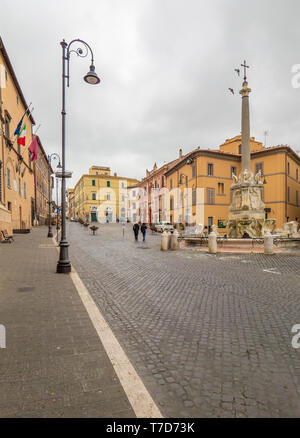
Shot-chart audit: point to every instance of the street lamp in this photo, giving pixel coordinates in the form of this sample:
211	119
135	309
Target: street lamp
54	155
64	265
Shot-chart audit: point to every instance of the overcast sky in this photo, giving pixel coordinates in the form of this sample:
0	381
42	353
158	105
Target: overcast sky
165	68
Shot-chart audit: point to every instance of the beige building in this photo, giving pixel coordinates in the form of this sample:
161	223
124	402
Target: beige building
17	203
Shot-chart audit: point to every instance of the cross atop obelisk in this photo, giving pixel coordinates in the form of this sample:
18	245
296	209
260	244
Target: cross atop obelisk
245	71
245	121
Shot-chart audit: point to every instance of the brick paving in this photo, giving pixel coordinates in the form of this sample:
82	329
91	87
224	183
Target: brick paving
209	335
54	364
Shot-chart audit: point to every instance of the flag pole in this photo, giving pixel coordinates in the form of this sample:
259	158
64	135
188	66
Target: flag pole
13	142
34	135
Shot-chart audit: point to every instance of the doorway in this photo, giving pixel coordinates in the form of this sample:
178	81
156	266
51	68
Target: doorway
93	217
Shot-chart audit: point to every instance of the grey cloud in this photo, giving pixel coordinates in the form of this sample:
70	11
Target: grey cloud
165	68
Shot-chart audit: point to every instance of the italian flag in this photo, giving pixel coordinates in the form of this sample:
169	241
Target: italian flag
22	136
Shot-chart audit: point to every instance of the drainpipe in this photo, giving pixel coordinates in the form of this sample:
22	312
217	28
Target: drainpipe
286	190
2	147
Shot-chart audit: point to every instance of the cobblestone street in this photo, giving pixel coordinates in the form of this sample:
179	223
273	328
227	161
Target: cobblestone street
208	335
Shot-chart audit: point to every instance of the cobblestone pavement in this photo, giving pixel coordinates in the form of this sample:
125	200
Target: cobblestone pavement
209	335
54	364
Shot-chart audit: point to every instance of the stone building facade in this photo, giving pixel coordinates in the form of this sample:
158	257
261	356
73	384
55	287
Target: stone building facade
42	169
212	169
16	170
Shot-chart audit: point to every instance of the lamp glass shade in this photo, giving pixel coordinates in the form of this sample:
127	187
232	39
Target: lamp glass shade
91	77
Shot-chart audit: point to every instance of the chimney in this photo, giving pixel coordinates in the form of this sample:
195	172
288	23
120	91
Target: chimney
180	153
115	173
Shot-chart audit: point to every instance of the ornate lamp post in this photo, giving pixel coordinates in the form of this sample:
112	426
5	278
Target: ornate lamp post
54	155
64	265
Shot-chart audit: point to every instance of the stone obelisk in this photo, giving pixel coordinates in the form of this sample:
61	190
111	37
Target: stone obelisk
245	124
246	214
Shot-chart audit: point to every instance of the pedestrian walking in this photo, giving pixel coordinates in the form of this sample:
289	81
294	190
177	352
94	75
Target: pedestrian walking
143	231
136	229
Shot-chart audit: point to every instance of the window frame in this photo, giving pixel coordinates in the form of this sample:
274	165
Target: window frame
210	166
210	195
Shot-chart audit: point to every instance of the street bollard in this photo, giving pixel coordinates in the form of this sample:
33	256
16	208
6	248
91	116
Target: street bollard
174	240
212	243
268	243
165	241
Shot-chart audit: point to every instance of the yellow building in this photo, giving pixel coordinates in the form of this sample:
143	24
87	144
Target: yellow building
100	196
16	171
212	170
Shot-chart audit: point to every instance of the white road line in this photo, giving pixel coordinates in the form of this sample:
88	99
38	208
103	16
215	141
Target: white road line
271	271
138	396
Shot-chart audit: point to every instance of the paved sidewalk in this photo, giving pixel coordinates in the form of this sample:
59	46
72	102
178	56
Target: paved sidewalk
54	364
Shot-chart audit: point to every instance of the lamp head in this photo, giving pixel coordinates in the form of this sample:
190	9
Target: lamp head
59	166
91	77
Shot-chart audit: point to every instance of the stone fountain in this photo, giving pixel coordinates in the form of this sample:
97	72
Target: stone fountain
246	214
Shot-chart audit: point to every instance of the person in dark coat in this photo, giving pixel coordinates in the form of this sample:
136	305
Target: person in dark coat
136	231
143	231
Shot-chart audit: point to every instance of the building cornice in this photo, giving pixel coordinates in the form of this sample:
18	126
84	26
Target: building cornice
14	77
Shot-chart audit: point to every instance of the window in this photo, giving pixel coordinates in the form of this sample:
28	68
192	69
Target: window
8	178
288	168
296	197
123	198
210	195
240	149
194	197
107	183
297	174
233	170
221	188
94	196
288	194
210	169
259	167
122	184
171	203
163	181
194	171
9	206
25	190
171	183
7	120
108	196
134	205
93	182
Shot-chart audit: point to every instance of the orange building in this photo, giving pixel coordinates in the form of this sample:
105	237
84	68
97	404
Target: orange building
16	170
212	170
